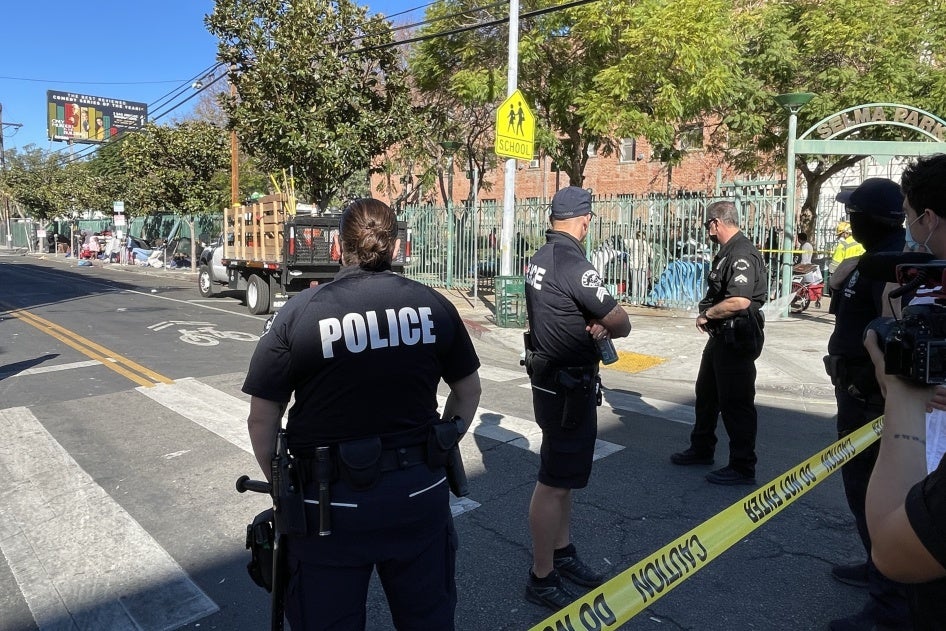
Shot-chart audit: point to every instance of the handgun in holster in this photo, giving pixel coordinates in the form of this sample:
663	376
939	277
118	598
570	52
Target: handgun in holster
443	450
527	358
288	498
577	391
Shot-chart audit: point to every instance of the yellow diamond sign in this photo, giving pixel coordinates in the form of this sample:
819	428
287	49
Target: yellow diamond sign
515	128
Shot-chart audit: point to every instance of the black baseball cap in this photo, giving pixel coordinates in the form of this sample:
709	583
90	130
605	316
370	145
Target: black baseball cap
877	197
570	202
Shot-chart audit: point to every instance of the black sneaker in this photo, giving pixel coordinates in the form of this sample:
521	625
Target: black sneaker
548	591
572	568
691	456
855	574
728	476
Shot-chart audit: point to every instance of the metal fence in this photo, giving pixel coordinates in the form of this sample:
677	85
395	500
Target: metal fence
650	250
23	232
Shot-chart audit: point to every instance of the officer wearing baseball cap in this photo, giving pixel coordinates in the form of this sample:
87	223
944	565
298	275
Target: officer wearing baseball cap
875	210
569	310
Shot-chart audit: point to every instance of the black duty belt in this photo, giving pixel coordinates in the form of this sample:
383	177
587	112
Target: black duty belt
390	460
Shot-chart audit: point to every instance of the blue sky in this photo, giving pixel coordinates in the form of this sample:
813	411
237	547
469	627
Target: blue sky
133	50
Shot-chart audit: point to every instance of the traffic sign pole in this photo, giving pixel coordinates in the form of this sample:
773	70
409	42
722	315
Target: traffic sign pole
509	189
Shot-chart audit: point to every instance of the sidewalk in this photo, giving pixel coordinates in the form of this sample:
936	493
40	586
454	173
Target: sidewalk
790	365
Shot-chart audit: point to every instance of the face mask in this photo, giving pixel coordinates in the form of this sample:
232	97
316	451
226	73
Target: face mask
911	242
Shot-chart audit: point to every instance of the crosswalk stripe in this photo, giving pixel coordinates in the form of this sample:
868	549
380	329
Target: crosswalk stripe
56	368
214	410
648	406
493	373
519	432
80	560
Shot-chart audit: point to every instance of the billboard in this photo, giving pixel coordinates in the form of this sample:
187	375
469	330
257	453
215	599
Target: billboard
91	119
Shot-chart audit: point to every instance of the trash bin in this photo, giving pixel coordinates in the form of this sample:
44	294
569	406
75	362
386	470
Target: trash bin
510	301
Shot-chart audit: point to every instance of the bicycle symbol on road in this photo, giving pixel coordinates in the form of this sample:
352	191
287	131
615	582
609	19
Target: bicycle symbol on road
204	333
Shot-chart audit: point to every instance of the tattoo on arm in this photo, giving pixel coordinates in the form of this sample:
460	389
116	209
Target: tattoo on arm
915	439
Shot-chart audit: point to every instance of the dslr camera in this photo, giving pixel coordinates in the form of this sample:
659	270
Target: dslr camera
915	345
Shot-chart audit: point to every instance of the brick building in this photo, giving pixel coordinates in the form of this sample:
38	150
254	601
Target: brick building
630	170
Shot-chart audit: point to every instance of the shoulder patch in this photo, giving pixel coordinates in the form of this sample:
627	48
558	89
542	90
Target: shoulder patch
741	265
269	324
591	278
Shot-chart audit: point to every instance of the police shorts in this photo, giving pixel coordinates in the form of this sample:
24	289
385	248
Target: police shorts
566	454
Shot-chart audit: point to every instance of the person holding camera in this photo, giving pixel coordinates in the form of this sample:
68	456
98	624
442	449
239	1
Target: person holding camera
875	212
569	311
731	314
363	356
906	497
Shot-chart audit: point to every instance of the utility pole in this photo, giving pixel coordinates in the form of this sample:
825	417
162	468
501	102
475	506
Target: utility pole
3	169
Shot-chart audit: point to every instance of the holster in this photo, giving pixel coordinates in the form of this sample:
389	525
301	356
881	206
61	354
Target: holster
578	386
443	450
288	497
261	541
855	376
360	462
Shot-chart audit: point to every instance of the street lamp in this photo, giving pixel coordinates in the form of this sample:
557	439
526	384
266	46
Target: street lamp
791	103
450	148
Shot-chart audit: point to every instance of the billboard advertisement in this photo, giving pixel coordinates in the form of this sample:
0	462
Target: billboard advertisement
91	119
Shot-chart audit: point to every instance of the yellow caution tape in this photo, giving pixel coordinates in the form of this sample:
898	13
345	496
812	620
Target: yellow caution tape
627	594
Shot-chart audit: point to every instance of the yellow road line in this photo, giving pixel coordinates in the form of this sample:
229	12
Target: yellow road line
113	361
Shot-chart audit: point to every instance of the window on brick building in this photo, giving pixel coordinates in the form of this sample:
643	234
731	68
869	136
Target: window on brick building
628	150
534	163
592	150
691	137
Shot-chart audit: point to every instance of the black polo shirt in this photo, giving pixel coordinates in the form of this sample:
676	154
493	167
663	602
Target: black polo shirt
738	270
363	355
564	292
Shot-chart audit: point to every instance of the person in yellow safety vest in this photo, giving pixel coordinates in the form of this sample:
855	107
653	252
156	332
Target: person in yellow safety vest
846	248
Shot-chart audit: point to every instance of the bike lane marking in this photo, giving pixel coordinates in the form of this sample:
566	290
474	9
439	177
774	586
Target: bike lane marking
80	560
113	361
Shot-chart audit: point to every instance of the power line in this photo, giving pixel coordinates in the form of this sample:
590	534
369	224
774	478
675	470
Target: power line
91	82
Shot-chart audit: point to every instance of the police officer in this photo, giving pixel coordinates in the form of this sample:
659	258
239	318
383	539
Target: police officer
569	312
875	209
731	314
363	356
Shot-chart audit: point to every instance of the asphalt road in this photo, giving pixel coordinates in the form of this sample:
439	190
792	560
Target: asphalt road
123	432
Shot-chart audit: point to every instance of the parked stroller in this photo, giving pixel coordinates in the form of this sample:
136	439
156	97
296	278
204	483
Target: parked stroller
807	287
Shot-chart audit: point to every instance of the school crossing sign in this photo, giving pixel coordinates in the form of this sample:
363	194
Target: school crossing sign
515	128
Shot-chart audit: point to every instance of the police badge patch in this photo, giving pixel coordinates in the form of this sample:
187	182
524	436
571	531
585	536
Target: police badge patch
740	265
591	278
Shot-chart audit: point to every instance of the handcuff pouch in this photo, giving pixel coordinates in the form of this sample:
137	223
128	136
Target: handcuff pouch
360	462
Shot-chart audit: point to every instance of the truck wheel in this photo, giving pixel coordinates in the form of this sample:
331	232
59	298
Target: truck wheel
257	295
205	281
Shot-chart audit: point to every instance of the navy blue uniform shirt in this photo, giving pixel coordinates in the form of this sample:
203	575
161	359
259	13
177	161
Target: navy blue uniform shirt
858	302
364	355
738	270
564	292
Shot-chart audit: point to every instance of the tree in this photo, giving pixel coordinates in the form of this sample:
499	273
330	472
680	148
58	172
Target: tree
847	52
320	88
177	168
661	66
38	183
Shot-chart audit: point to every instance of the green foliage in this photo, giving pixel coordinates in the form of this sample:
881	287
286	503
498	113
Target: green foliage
661	66
38	182
175	168
847	52
319	89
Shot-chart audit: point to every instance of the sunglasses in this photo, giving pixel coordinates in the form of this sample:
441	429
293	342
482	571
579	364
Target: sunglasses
710	222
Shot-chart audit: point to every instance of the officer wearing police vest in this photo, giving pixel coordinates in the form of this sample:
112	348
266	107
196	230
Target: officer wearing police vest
363	356
875	210
731	315
569	311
